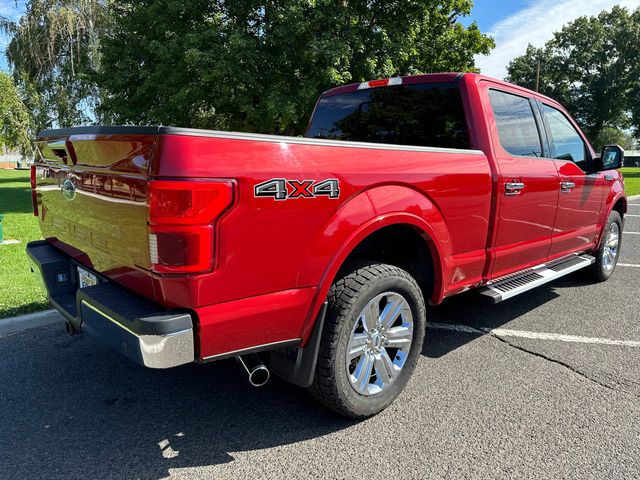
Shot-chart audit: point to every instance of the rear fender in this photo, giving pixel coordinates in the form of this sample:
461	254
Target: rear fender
365	214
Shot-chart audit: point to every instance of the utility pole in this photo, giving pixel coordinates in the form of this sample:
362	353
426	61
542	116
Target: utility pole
538	76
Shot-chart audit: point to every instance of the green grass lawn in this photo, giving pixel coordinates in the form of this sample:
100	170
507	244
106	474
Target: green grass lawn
20	290
631	180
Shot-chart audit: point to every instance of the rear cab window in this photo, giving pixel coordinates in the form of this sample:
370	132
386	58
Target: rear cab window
516	123
427	114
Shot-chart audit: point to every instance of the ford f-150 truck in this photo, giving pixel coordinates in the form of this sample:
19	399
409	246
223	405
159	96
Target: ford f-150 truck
314	257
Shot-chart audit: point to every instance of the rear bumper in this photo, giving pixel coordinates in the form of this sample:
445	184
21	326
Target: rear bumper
143	331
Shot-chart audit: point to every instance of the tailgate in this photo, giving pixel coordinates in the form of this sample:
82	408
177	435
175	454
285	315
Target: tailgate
92	194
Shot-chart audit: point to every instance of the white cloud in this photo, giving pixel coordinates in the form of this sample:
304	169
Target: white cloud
536	24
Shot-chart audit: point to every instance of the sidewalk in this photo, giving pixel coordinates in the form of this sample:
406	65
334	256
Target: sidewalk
31	320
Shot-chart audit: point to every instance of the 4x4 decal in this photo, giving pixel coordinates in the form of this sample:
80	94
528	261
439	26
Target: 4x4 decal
283	189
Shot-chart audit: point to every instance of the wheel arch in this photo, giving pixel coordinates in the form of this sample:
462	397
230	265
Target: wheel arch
620	205
411	226
618	202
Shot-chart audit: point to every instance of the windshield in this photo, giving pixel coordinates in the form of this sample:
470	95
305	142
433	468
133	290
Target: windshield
428	114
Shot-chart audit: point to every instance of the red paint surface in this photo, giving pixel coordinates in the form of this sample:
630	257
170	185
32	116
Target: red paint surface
277	259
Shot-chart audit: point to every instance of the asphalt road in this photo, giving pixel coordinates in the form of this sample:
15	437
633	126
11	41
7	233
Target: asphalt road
478	406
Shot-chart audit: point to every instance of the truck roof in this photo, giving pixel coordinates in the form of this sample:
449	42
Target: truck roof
447	77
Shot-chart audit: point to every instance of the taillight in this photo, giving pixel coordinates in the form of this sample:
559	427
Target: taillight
182	217
181	249
34	195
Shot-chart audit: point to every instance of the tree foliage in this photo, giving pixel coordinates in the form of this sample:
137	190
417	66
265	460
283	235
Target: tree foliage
15	121
591	67
259	65
53	53
614	136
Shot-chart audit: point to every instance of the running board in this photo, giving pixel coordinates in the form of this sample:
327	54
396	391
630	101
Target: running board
534	277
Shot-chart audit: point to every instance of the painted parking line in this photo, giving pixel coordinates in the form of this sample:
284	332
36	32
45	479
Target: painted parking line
632	233
558	337
628	265
629	215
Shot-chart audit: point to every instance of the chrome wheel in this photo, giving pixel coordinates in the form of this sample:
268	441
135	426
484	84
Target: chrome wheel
611	247
379	344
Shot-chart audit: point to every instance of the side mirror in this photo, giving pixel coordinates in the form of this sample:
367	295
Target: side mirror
612	157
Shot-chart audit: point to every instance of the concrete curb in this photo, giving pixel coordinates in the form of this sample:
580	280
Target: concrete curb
29	321
634	198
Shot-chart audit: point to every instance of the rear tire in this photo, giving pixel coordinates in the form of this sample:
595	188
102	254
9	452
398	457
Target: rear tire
372	339
609	252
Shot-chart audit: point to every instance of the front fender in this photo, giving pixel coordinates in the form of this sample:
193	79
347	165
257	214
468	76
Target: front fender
358	218
616	192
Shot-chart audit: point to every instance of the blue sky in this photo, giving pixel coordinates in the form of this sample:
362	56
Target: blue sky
512	23
489	12
8	9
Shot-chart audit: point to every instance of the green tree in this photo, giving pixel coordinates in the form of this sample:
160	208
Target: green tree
591	67
53	54
539	70
15	121
259	65
614	136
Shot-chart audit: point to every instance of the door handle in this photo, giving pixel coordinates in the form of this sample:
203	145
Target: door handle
567	186
513	188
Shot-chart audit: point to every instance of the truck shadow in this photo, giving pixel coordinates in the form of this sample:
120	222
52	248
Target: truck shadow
72	409
15	200
471	309
24	179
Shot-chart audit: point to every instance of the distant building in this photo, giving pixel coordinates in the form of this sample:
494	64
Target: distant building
11	159
632	158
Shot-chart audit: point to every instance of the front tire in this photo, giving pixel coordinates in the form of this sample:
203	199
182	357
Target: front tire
609	252
372	339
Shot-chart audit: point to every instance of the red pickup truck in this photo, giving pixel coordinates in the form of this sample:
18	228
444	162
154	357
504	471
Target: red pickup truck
314	257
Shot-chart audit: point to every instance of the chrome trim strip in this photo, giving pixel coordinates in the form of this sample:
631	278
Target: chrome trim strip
255	348
111	319
90	132
259	137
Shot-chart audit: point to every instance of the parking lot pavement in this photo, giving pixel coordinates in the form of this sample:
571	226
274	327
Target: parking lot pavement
479	405
633	223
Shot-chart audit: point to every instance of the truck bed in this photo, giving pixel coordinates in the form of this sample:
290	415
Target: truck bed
265	249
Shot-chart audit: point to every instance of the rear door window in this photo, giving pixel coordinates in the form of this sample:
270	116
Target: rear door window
517	128
429	114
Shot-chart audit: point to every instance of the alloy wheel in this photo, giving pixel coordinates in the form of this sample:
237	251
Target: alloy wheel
611	247
379	344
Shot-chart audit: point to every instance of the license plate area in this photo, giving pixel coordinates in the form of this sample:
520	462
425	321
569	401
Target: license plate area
86	278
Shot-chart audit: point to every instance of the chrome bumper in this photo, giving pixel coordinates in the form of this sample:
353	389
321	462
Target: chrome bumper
150	350
143	331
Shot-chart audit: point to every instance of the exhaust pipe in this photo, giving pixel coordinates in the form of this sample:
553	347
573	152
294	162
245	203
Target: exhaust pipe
257	372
